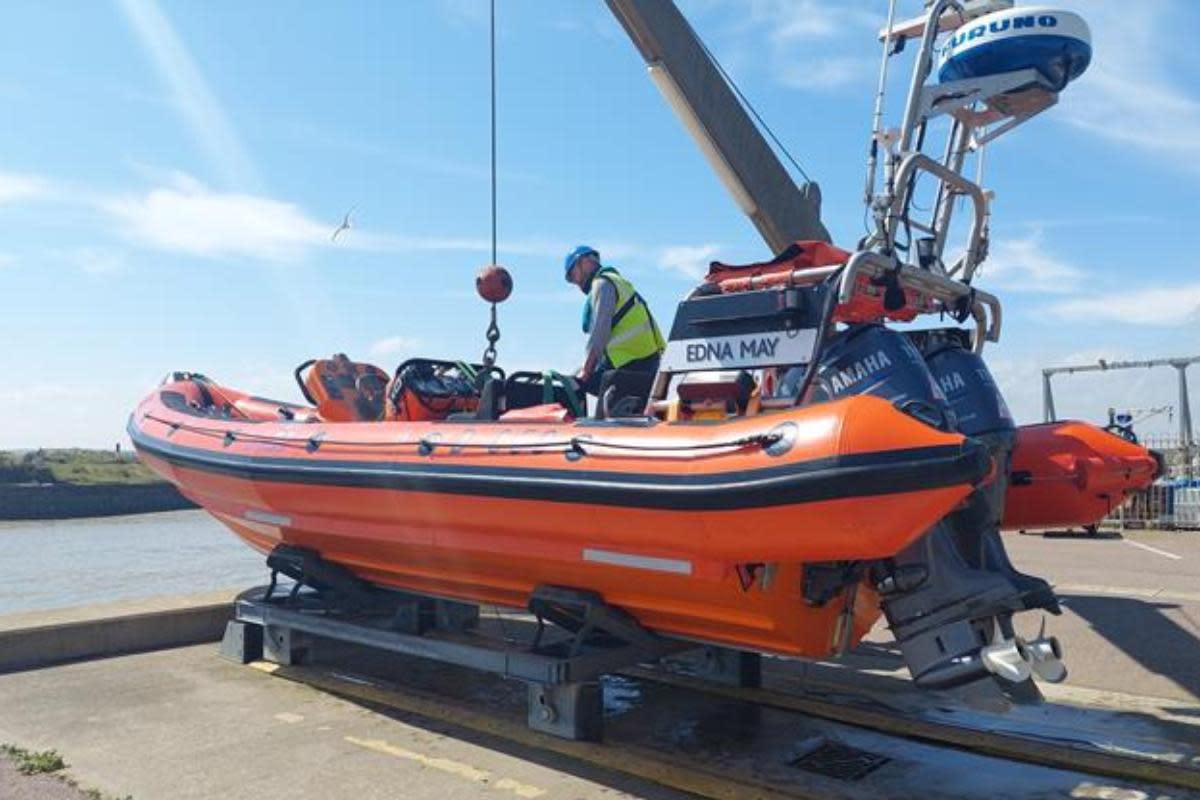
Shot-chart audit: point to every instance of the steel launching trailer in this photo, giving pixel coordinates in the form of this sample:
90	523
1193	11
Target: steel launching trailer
578	637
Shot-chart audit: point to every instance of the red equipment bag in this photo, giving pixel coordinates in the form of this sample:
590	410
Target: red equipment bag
865	306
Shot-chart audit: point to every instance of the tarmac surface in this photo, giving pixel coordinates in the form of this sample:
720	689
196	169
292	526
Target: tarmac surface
1132	608
1131	613
182	723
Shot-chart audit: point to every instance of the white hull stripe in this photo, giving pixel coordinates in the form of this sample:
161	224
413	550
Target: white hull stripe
672	565
266	516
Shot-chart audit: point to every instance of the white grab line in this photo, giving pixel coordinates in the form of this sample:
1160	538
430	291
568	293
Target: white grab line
1162	553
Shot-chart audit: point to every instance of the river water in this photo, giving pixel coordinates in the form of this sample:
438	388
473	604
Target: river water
58	564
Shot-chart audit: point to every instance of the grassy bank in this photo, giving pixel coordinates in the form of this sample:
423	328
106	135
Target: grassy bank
68	484
74	467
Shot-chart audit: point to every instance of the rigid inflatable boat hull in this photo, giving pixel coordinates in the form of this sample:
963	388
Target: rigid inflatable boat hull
660	534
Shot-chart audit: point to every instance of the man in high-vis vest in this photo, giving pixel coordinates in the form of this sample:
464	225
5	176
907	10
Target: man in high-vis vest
621	331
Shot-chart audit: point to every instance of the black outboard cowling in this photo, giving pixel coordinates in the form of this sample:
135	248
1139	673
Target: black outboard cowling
965	380
871	359
950	596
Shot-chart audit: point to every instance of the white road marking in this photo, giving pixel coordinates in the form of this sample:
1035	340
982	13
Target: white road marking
1155	550
342	676
638	562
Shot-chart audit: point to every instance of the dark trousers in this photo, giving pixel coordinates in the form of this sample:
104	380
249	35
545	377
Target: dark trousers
596	385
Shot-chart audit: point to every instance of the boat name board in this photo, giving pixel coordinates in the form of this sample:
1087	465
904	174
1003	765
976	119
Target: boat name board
746	351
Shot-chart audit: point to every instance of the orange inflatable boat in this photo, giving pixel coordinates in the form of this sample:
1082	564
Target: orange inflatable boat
1073	474
783	480
665	520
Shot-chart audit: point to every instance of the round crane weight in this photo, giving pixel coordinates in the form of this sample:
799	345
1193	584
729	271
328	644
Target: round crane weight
494	283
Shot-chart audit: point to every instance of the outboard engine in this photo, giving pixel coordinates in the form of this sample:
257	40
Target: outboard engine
950	596
982	414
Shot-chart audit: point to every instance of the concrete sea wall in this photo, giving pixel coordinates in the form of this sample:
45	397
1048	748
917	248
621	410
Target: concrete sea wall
63	501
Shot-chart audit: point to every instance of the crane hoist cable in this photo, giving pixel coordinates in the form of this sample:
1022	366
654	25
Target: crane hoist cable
493	70
493	329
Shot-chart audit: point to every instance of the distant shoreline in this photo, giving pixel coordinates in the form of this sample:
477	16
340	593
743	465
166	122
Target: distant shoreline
66	501
75	483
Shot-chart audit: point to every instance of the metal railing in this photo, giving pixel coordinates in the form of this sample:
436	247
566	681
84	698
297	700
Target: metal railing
1172	502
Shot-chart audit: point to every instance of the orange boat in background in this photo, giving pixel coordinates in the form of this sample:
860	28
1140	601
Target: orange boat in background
1072	475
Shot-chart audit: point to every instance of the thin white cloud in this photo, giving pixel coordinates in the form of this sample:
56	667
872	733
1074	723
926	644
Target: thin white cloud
804	40
6	260
464	12
35	392
1128	96
1093	221
795	21
1155	306
96	260
403	243
201	110
570	296
15	187
393	346
690	261
825	74
341	144
1025	265
190	218
184	215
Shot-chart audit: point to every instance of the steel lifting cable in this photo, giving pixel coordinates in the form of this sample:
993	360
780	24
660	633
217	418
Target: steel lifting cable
750	106
493	329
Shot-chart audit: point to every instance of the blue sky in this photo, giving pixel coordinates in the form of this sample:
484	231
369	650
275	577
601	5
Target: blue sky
170	174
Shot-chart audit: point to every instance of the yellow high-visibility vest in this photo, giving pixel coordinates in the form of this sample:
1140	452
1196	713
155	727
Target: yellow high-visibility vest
634	332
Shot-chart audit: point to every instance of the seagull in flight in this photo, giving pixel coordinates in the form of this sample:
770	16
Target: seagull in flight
345	226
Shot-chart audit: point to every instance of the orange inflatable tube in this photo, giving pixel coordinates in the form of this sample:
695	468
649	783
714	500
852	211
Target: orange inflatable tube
1073	474
663	519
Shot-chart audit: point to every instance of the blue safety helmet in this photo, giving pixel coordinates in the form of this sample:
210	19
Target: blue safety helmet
576	254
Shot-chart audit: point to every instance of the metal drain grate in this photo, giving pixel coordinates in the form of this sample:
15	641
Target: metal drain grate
839	761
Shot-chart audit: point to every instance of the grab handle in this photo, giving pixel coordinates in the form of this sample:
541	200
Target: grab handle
300	381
